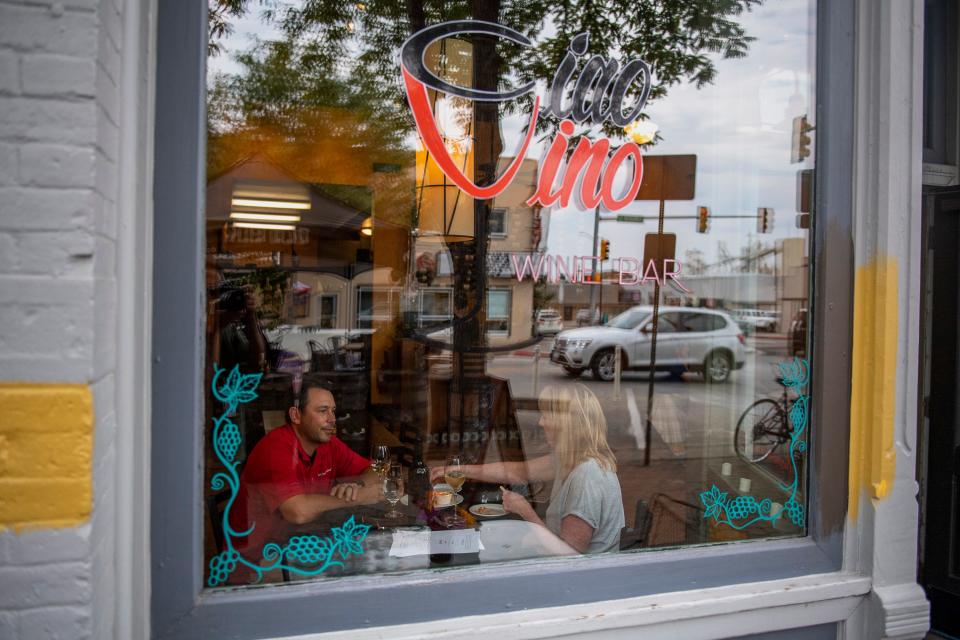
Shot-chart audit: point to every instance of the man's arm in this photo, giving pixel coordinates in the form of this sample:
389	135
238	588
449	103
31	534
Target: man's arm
307	507
349	489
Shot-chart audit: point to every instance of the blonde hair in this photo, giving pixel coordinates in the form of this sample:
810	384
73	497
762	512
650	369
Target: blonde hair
580	427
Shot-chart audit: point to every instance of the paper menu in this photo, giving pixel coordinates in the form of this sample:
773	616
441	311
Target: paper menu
422	543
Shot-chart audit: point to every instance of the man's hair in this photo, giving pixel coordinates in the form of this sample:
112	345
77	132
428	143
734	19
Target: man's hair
311	382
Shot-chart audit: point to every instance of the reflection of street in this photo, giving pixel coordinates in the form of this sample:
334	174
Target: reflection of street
706	414
693	422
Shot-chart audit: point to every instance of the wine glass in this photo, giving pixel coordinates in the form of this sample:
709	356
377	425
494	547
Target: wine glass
380	455
455	476
393	489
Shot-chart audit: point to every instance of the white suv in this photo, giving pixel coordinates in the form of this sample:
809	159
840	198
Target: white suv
688	339
548	322
755	319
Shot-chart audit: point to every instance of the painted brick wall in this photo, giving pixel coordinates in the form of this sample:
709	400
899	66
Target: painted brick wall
60	65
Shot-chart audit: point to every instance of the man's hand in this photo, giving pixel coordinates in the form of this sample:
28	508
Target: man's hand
348	491
436	474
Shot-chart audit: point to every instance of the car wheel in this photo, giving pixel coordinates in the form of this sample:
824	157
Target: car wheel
604	365
573	372
717	367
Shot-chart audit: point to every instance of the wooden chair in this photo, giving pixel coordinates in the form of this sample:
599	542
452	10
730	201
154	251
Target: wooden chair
663	521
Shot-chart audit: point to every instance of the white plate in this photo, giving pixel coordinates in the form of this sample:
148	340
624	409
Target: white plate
490	510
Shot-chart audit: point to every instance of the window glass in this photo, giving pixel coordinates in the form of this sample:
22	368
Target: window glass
498	221
702	322
669	322
327	315
498	311
437	304
442	327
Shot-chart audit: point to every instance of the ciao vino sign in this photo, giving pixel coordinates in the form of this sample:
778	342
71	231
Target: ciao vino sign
597	93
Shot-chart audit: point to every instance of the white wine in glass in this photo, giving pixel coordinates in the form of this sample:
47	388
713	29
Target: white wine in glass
455	476
381	457
453	473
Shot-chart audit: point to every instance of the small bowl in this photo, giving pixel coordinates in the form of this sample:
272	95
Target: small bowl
442	489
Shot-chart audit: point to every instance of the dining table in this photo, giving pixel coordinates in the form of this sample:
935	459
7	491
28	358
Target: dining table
422	539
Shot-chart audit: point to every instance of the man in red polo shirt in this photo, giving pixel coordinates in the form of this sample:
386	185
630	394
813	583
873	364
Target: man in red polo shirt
289	477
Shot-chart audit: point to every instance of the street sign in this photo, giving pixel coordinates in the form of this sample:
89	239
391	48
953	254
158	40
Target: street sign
659	247
668	178
630	218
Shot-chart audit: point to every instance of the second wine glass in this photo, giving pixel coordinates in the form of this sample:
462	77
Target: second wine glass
393	488
455	476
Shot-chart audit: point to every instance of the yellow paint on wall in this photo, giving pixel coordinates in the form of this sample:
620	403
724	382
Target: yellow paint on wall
872	403
46	448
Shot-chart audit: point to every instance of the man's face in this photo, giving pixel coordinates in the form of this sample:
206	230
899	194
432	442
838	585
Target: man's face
317	421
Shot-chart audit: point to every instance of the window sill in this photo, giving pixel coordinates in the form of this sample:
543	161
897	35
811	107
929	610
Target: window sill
716	612
639	584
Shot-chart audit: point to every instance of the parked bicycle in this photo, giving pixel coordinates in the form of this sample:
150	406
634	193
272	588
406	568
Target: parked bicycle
764	426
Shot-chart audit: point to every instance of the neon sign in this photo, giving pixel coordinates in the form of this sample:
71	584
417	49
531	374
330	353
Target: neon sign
597	95
579	270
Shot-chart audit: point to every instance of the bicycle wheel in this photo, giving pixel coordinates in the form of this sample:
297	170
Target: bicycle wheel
760	430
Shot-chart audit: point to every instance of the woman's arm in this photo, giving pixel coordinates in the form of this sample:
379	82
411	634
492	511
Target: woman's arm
504	472
576	533
573	529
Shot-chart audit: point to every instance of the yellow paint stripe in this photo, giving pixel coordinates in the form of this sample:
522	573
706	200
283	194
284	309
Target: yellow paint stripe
46	449
873	403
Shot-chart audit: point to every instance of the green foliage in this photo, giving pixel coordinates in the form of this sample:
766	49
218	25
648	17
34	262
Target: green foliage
343	54
541	296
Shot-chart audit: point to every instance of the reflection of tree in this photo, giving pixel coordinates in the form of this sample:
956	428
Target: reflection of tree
694	264
756	256
357	41
541	296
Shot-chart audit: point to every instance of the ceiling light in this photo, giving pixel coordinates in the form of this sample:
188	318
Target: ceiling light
264	217
366	227
270	204
263	225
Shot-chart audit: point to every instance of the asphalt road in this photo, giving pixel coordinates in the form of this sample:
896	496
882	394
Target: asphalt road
692	418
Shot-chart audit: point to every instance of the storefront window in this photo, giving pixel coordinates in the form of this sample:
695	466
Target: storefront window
505	358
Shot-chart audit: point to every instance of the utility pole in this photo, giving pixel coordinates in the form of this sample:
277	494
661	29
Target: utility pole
596	264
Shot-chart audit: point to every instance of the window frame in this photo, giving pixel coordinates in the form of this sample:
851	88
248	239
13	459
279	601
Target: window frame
180	608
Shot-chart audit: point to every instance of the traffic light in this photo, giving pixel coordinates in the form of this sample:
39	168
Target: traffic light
703	219
764	220
800	146
604	250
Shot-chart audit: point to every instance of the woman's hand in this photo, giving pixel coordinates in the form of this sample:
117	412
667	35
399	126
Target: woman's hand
436	474
515	503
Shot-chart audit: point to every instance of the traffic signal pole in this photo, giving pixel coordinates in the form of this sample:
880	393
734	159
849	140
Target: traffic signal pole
653	346
596	265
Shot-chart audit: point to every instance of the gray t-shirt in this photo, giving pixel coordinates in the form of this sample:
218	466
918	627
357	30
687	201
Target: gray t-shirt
593	495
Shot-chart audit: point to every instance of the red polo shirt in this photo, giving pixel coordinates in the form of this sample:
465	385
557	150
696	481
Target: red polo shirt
278	469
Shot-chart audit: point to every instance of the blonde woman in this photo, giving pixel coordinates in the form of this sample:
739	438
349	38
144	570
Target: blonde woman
586	508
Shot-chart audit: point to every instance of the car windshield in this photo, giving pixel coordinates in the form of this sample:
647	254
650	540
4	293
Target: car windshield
629	319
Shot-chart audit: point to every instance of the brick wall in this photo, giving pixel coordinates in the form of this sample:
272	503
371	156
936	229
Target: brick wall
60	67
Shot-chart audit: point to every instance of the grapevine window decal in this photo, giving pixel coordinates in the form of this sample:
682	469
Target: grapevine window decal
742	511
307	555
